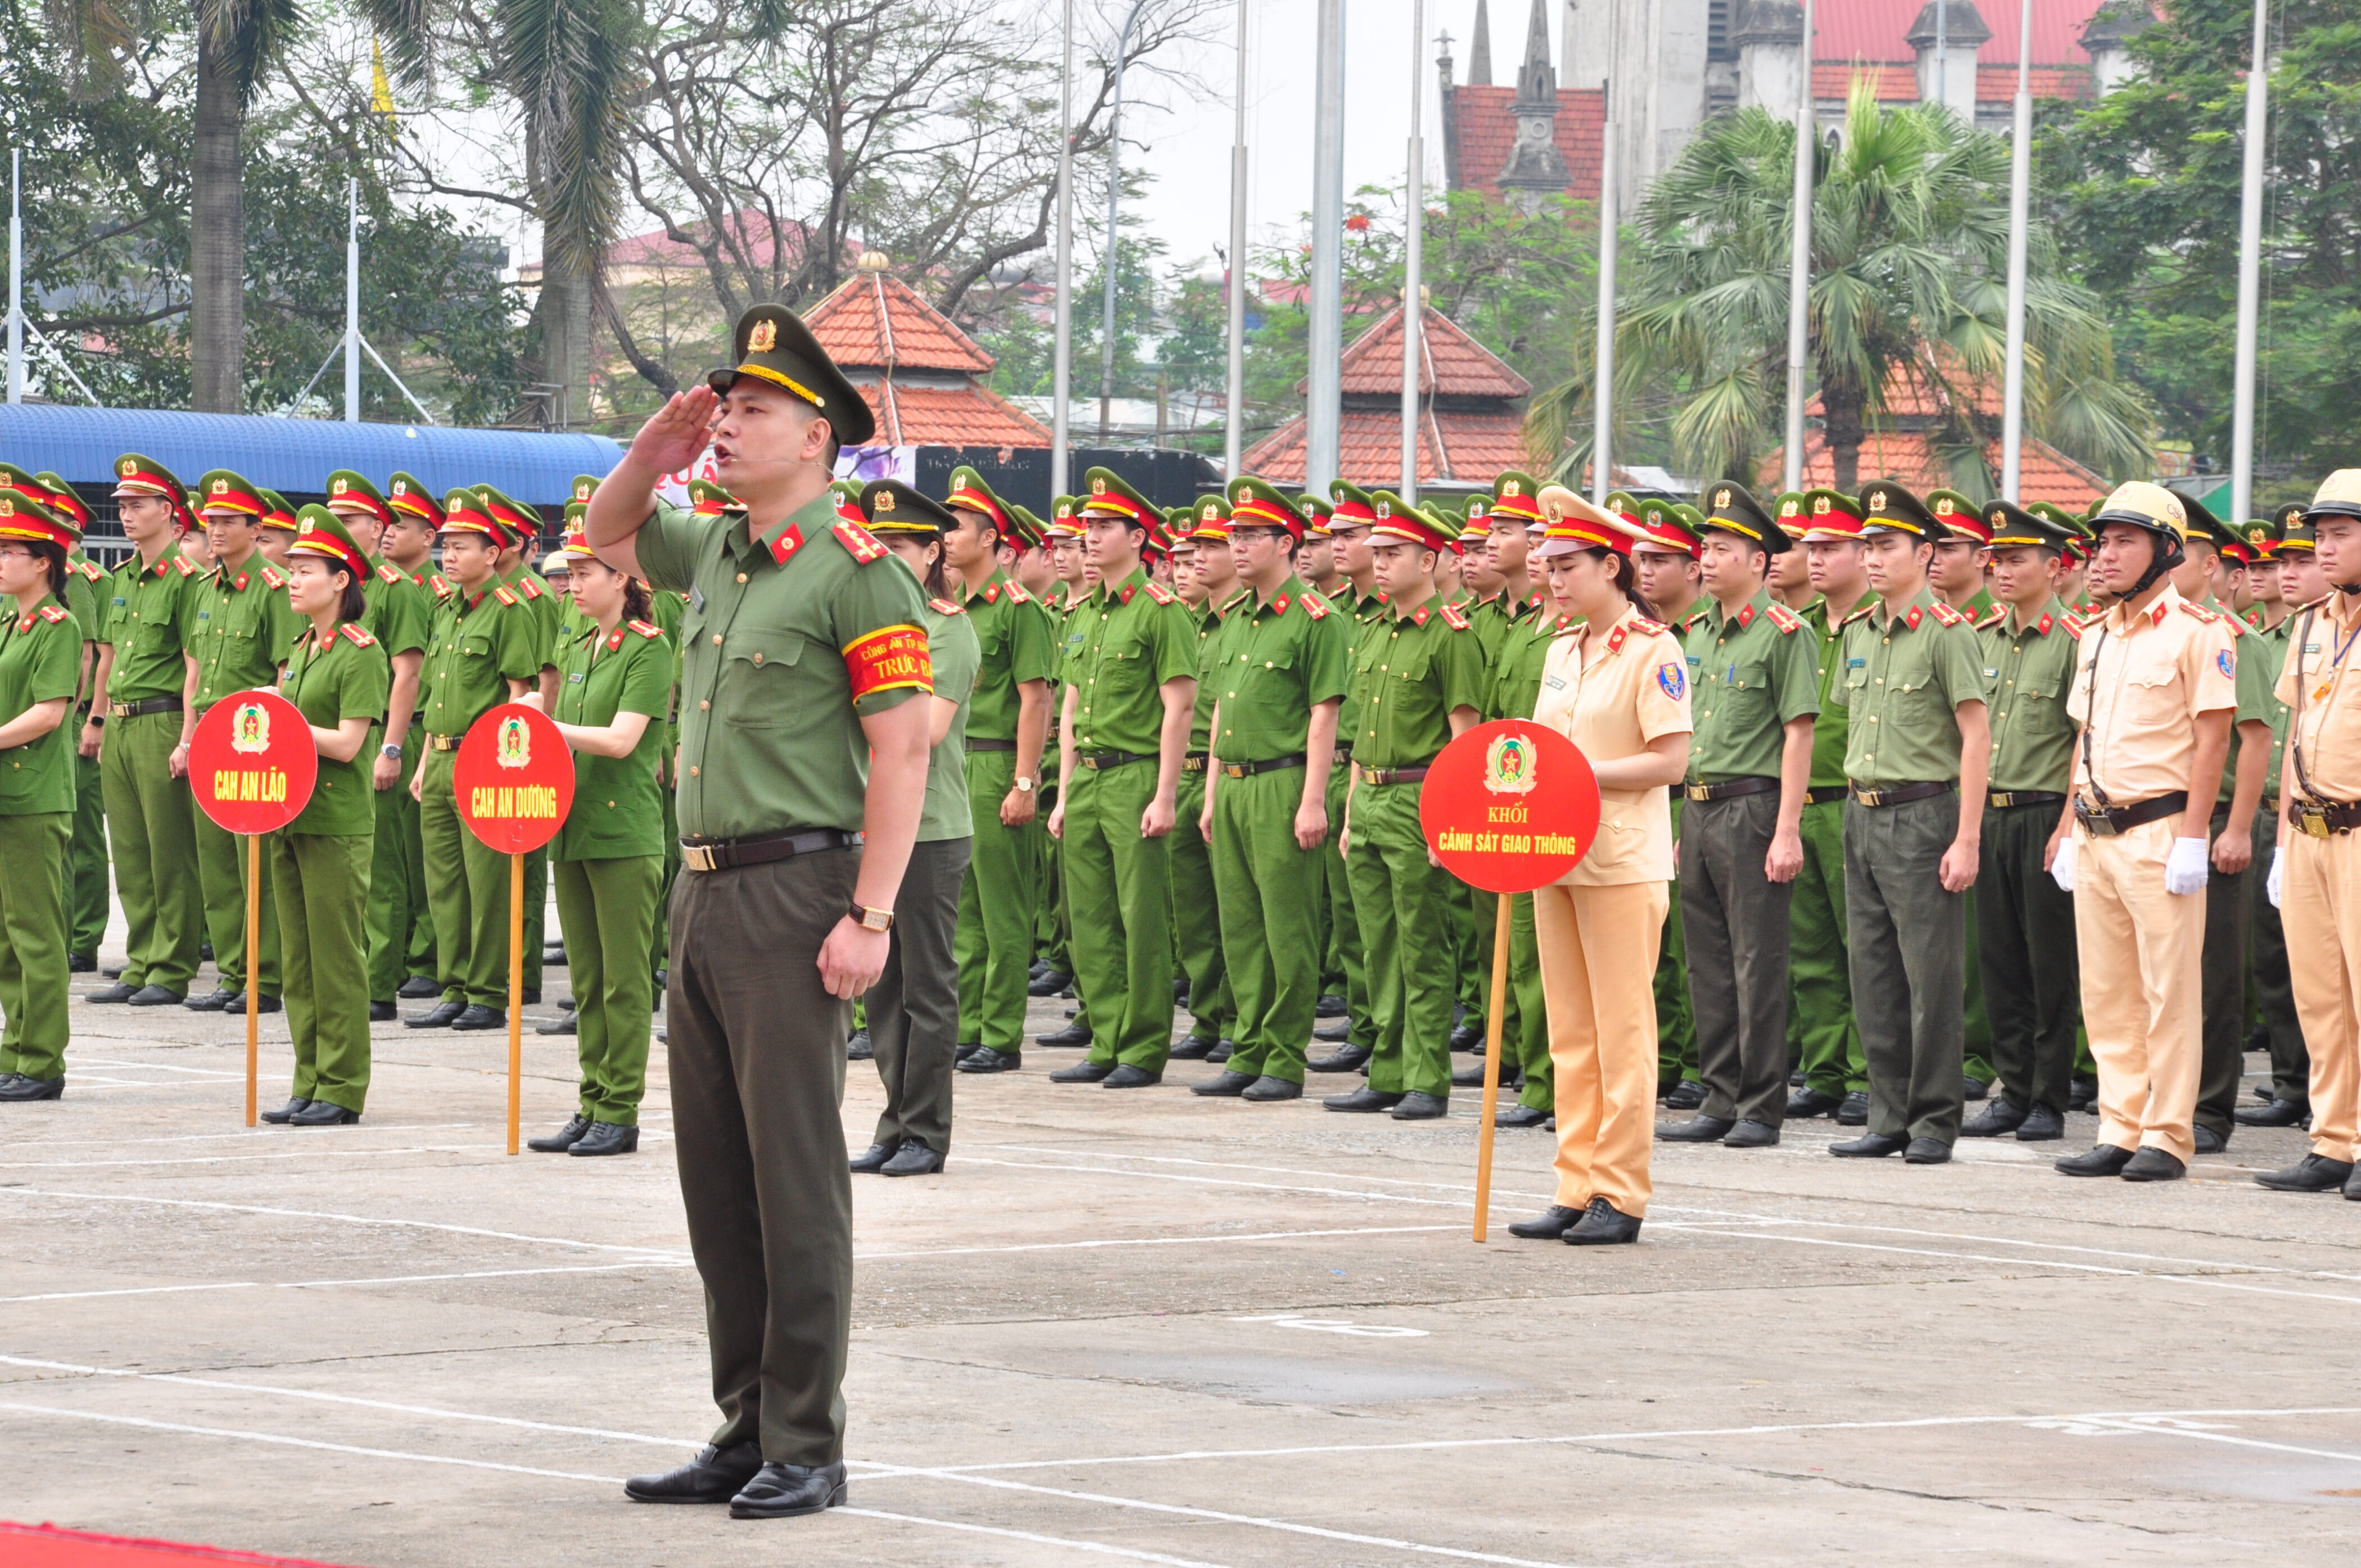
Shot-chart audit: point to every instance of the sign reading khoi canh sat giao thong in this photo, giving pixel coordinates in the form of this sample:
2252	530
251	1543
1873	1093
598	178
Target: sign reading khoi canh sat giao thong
1509	806
513	779
251	763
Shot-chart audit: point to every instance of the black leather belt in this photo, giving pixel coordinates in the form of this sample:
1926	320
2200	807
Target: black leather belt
2107	822
1389	775
2002	799
2320	818
1730	788
975	745
1111	759
1897	794
1343	758
1826	793
725	854
1268	765
443	742
150	705
1193	762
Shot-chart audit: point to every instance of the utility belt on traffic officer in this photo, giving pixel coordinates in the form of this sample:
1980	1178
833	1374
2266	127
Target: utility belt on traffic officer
1097	760
2110	820
2324	818
1729	789
1900	794
1389	775
758	849
1267	765
2002	799
152	704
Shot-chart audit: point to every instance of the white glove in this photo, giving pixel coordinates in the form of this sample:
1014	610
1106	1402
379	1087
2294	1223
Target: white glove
2276	883
2061	866
2185	868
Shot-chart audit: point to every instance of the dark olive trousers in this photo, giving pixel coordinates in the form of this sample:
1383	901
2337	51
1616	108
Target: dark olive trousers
1735	922
2222	1066
914	1008
757	1061
2274	990
1907	941
2025	938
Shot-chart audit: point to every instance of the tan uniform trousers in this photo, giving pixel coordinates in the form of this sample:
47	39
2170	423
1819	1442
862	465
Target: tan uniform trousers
1598	972
2319	907
2141	950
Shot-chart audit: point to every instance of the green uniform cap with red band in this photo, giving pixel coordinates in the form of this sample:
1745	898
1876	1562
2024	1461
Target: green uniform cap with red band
1107	495
137	476
62	500
22	516
1024	531
351	491
1395	518
520	521
970	490
279	512
1256	502
706	498
463	513
1351	503
1065	520
1962	515
222	490
1316	513
405	493
1516	493
319	532
1831	515
1793	515
1666	527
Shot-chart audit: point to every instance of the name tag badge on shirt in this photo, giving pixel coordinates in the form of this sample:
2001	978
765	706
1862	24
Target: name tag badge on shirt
1990	673
695	598
1855	663
575	676
1556	683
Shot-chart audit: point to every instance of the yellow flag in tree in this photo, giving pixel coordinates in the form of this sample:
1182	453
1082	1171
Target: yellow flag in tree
380	89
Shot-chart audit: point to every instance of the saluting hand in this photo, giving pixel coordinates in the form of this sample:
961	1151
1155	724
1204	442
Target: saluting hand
676	433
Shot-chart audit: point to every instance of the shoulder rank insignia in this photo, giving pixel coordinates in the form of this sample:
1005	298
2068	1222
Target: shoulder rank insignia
502	594
647	629
1786	619
858	541
1646	628
1694	617
1999	614
2199	610
1946	616
389	573
358	634
271	579
530	588
1158	592
436	581
55	613
946	606
1015	591
1314	606
188	567
90	569
1452	619
1862	613
1235	599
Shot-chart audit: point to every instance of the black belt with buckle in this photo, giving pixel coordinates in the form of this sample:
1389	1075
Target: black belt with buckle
2320	818
1729	789
2002	799
1826	793
2107	822
725	854
443	742
1389	775
150	705
1193	762
1268	765
1343	756
1111	759
1899	795
975	745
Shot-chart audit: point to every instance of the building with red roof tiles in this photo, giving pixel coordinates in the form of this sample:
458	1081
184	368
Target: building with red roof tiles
921	376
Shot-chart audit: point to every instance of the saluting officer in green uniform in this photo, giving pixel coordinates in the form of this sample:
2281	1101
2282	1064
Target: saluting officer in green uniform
522	526
407	543
1278	673
40	668
338	677
238	632
1205	578
1418	680
2285	544
483	650
1131	685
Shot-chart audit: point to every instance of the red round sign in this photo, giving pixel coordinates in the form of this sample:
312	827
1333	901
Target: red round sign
252	764
514	779
1509	806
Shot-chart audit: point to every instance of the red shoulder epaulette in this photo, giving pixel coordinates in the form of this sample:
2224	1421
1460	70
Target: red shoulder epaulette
1158	592
859	542
390	574
188	567
502	594
1642	625
1452	619
271	579
530	589
1695	616
1786	619
1235	599
2200	611
945	606
359	635
89	569
1999	614
2074	628
55	613
647	629
1946	616
442	587
1016	594
1314	606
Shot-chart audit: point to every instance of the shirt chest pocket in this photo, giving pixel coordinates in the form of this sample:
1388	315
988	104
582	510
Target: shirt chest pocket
2154	697
1266	668
758	677
475	653
1917	696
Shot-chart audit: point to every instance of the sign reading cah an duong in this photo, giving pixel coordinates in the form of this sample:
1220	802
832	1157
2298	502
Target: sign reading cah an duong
252	765
1509	806
513	779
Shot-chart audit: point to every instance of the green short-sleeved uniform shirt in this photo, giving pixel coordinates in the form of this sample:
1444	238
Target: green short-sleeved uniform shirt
1017	643
86	595
547	607
1830	730
1209	622
239	627
2267	646
1516	685
1409	674
791	637
40	661
399	613
346	679
1135	636
478	642
1496	621
618	804
956	654
2027	673
2255	677
1904	679
146	607
1753	672
1271	667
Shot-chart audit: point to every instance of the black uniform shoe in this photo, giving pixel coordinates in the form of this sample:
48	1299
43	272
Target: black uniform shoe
2258	1039
1227	1085
663	978
1082	1072
20	1086
1868	1145
1331	1033
1686	1095
986	1059
789	1491
2278	1113
383	1013
286	1113
237	1003
1040	966
1130	1077
1927	1151
1603	1224
205	952
1976	1088
1049	984
1179	990
436	1017
564	1139
1363	1099
563	1023
715	1475
82	963
608	1138
1193	1048
2154	1165
1470	1076
119	992
1071	1035
1550	1125
914	1158
872	1160
1223	1051
966	1049
1266	1089
1419	1107
1996	1118
152	996
419	987
215	1001
1520	1116
532	996
474	1016
112	972
1854	1112
2043	1124
2313	1173
2101	1159
1352	1059
2264	1093
2208	1141
2082	1094
1552	1224
858	1048
2352	1185
1752	1135
1330	1005
1467	1037
1807	1102
321	1114
1697	1129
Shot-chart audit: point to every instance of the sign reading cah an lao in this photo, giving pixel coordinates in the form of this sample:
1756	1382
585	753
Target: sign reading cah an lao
514	779
252	764
1509	806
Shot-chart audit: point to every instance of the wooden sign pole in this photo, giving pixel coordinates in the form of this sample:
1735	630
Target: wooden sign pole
253	969
516	996
1491	1066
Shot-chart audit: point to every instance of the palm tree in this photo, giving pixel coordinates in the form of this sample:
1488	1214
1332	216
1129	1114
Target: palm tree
1909	267
236	41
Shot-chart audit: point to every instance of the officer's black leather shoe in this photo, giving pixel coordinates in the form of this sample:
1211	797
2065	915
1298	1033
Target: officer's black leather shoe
564	1139
2101	1159
1049	984
1179	990
1807	1102
1330	1005
858	1048
1996	1118
563	1023
286	1113
1223	1051
2042	1124
119	992
1686	1095
1082	1072
1603	1224
986	1059
1352	1059
1331	1033
1552	1224
2207	1140
2352	1185
2154	1165
966	1049
82	963
205	952
1752	1135
215	1001
872	1160
1416	1106
1193	1048
321	1114
152	996
1470	1076
2278	1113
2313	1173
532	996
1227	1085
1854	1112
382	1013
1927	1151
1467	1037
1698	1129
419	987
1040	966
2258	1039
1130	1077
1868	1145
1976	1088
1520	1116
476	1016
2265	1094
1363	1099
2082	1094
1266	1089
1071	1035
1550	1125
436	1017
789	1491
715	1475
21	1086
914	1158
607	1137
237	1003
112	972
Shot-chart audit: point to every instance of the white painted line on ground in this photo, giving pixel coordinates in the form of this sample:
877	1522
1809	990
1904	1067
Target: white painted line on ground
2225	1437
250	1134
321	1147
155	1067
344	1219
372	1280
1148	1241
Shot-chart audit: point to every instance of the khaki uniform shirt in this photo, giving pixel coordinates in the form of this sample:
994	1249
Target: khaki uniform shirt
2318	685
143	620
2027	672
239	628
2140	681
1905	678
1628	688
1753	672
1271	667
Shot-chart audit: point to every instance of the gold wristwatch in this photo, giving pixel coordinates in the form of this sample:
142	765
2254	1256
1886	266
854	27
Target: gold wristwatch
870	919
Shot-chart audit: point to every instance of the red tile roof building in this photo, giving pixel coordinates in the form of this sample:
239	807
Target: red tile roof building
921	375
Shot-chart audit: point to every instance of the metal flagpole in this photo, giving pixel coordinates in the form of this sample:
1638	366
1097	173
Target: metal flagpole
1799	265
2250	257
1324	410
2020	208
1114	196
16	276
1414	249
1602	378
1233	416
352	305
1062	371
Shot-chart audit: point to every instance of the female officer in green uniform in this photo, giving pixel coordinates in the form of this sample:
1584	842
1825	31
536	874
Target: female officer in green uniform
40	665
614	678
338	676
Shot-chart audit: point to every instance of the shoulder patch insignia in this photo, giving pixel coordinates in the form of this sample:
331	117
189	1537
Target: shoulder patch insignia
1646	628
647	629
1786	619
1999	614
1946	616
90	569
1158	592
271	579
1695	616
2072	627
1859	614
441	588
389	573
358	634
530	588
946	606
55	613
1615	638
1314	606
1235	600
188	567
859	542
1454	619
503	595
2199	610
1016	594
